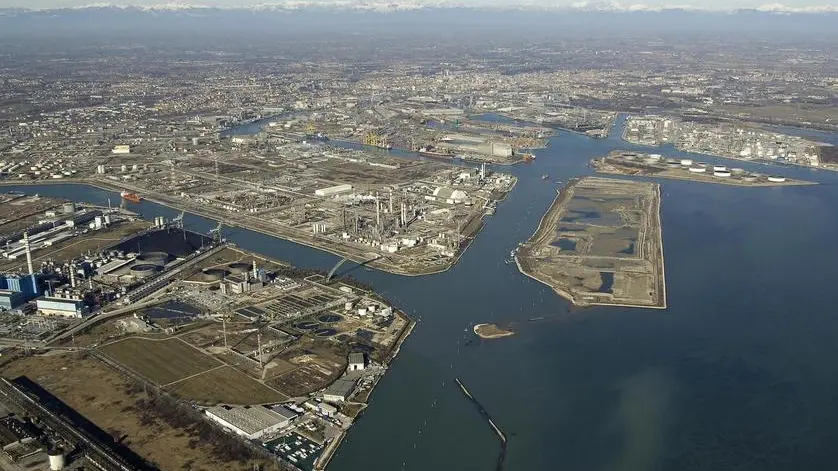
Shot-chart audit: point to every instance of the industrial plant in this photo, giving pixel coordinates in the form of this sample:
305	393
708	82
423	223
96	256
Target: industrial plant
272	357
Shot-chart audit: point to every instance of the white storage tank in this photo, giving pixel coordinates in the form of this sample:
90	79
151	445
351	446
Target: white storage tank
362	311
719	168
722	173
686	162
776	179
698	169
56	460
348	306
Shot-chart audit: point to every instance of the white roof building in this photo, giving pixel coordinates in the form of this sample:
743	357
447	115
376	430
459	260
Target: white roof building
250	421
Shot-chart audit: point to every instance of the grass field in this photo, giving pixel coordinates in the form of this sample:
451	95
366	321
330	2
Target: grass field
226	385
160	361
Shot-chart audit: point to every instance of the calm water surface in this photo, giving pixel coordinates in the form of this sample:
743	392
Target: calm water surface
736	375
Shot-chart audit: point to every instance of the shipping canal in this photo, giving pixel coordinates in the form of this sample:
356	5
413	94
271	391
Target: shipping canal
737	373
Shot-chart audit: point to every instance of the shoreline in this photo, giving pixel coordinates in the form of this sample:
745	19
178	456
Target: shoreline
329	452
499	335
564	293
707	179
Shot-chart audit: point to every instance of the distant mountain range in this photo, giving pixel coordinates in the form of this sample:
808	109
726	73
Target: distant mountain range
309	17
391	6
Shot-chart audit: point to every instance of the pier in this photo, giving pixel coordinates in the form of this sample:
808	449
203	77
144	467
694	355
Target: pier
485	414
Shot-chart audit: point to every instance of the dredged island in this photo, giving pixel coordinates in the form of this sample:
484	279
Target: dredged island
600	244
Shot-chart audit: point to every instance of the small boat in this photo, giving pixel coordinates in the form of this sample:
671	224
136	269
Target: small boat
545	177
132	197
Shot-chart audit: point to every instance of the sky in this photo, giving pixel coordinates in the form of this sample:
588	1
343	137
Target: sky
704	4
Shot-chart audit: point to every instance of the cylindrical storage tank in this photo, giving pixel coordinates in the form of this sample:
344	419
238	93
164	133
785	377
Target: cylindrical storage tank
56	460
737	171
362	311
655	156
724	173
719	168
698	169
213	274
154	258
348	306
98	222
107	219
776	179
144	270
68	208
686	162
239	267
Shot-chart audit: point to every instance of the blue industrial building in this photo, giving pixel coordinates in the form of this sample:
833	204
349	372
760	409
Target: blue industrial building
10	300
26	285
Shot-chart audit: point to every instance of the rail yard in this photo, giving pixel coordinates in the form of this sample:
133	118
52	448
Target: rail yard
600	243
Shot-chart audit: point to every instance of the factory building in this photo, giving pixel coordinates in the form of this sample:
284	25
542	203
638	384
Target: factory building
251	422
121	149
333	190
339	391
10	300
61	307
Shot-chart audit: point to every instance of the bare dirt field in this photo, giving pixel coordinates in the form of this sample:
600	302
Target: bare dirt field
110	400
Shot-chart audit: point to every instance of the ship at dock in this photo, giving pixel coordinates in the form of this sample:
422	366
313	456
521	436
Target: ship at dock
132	197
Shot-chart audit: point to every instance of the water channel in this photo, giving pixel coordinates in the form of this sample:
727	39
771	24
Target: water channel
736	374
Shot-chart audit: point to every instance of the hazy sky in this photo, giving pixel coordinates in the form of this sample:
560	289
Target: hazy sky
708	4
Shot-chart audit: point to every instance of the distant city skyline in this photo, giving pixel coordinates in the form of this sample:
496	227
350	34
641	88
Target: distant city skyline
787	5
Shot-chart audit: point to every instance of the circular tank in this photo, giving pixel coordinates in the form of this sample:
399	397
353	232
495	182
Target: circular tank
698	169
239	267
68	208
213	274
686	162
56	460
154	258
143	270
721	173
327	332
307	325
329	318
776	179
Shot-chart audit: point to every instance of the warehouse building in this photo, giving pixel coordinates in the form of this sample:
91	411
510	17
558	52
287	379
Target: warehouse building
251	422
339	391
61	307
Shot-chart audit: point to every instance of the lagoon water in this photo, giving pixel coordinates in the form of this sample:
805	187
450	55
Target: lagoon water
738	373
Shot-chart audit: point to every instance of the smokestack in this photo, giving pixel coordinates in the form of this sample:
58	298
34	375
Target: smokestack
404	213
377	213
72	275
255	272
391	202
28	252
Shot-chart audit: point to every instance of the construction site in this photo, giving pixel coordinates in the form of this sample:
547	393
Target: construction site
600	244
246	332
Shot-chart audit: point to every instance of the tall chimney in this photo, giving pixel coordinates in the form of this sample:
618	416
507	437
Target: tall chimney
28	252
